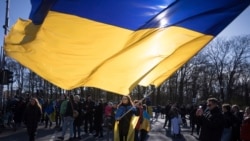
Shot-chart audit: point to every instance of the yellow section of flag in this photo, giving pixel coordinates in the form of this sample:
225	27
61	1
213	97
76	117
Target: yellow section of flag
80	53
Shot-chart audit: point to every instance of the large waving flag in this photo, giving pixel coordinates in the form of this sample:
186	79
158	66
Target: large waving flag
115	45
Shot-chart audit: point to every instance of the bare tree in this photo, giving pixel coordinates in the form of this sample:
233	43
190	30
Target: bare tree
227	56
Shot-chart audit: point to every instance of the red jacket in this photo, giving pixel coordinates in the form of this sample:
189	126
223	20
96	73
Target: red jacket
245	130
108	110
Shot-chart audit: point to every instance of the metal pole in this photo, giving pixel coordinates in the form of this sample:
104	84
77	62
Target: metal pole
5	26
6	18
2	61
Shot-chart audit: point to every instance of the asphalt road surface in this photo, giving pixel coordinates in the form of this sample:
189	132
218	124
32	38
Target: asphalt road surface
157	133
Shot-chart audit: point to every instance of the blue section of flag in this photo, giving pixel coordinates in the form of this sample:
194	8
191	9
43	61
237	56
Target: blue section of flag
205	16
39	10
208	17
129	14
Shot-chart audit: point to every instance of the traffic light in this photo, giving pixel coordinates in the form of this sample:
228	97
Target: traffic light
10	77
6	77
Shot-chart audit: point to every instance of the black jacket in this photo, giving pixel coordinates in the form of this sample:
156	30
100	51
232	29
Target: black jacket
78	120
32	116
228	119
69	109
212	125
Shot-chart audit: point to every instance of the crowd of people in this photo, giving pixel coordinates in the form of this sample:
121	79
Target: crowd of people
211	120
128	119
80	116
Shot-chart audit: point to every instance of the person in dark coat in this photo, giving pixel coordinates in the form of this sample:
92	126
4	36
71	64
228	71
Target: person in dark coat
193	120
228	122
88	107
32	116
167	119
98	119
238	116
78	120
18	113
211	121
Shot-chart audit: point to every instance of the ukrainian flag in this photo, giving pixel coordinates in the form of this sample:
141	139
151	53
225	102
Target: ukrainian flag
115	45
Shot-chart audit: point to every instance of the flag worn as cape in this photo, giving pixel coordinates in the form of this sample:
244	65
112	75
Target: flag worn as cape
115	45
131	131
145	125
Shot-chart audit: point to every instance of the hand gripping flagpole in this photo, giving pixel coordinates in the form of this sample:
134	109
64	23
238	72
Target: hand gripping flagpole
133	107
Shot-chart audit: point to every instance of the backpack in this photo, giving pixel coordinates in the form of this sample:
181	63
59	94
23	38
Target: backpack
63	107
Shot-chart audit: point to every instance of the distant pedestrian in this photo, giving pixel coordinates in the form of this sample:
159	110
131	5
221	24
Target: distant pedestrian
174	115
78	120
98	119
68	119
18	113
58	117
63	108
228	122
48	111
88	107
237	123
157	112
145	125
183	112
193	121
167	119
32	116
108	114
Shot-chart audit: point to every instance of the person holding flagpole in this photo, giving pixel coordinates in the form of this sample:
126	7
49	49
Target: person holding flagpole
125	120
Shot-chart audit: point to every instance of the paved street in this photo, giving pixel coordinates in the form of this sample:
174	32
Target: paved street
158	133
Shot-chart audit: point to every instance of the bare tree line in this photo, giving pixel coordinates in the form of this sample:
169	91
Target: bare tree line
221	69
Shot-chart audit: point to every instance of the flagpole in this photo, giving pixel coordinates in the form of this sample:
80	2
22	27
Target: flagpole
5	26
2	60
